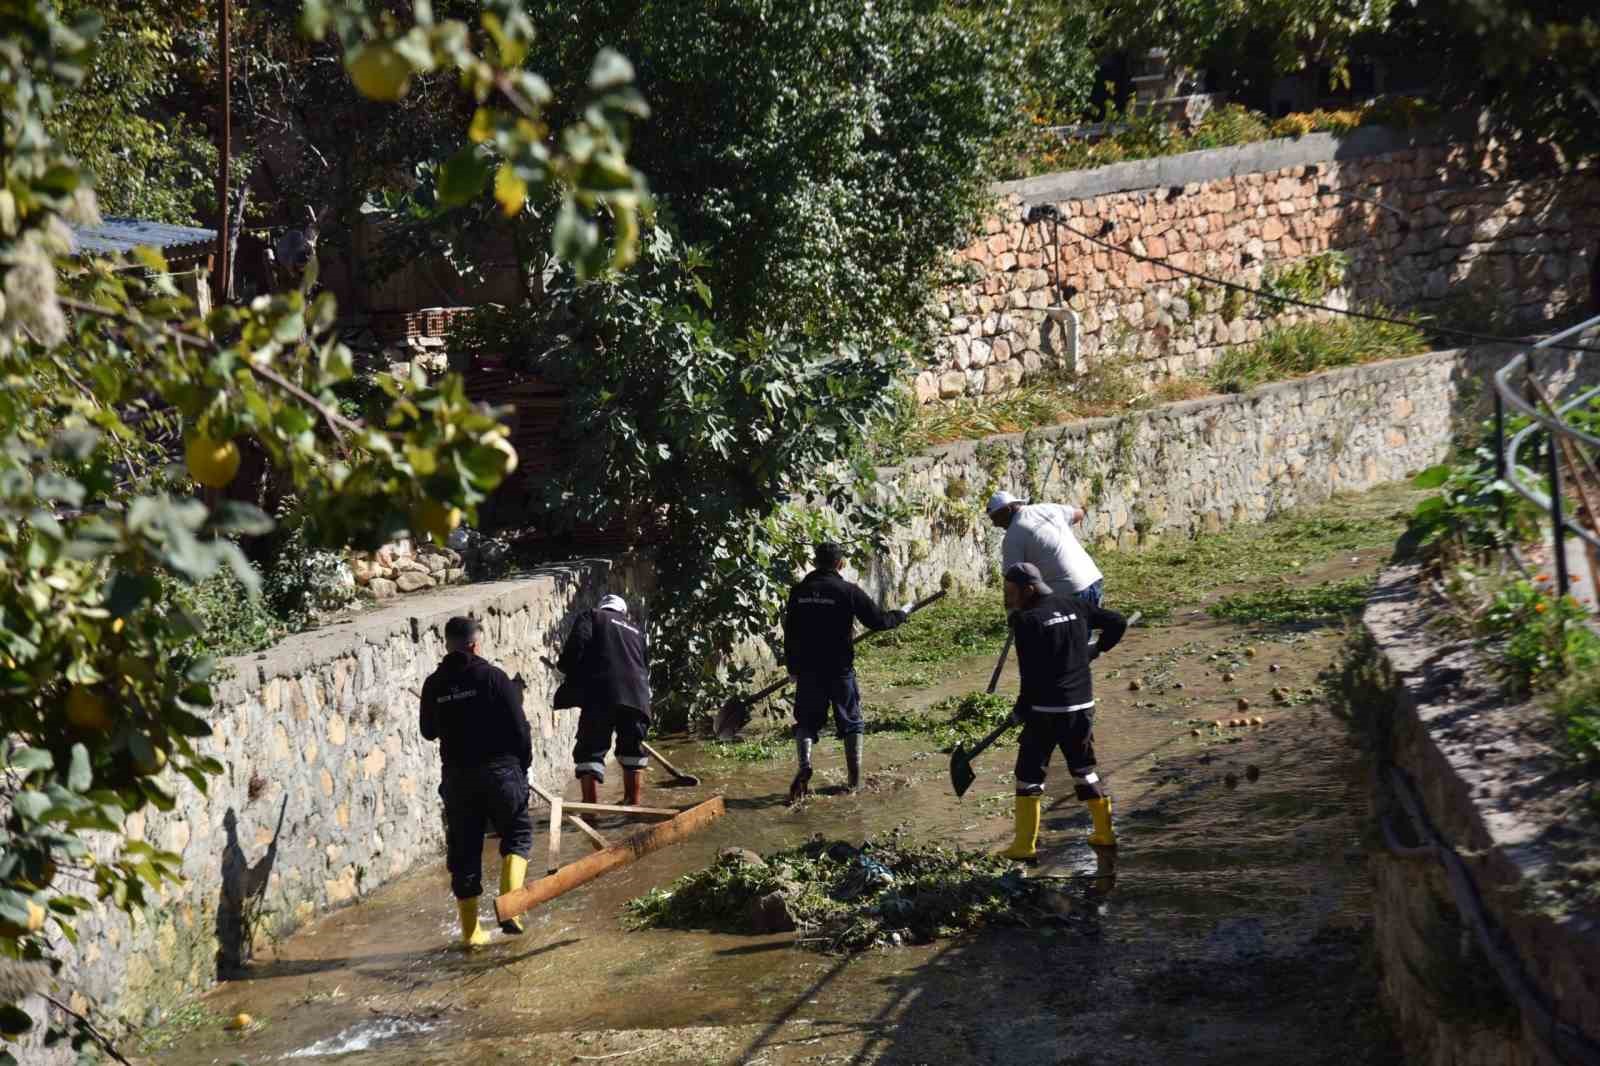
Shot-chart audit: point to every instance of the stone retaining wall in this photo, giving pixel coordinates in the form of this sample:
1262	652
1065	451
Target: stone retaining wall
1497	792
1183	468
1418	224
323	727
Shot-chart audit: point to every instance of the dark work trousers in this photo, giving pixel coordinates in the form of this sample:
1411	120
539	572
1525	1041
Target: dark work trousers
814	694
1042	734
595	729
476	797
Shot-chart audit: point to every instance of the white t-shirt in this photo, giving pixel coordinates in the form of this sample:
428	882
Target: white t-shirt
1041	534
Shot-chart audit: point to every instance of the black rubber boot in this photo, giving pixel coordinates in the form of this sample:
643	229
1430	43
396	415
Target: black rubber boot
800	787
852	760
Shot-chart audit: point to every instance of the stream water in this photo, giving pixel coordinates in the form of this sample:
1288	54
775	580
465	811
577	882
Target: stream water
1234	928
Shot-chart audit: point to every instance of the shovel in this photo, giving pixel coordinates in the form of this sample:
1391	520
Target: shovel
961	773
735	713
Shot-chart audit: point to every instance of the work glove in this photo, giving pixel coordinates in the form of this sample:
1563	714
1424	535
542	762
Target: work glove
897	617
1016	712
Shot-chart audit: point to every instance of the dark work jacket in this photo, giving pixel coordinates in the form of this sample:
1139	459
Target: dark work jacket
1053	651
819	619
474	711
607	660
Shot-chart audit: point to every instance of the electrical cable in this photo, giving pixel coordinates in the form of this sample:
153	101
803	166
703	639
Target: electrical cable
1047	211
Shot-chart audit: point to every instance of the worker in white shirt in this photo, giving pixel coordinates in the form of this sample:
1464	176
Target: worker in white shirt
1041	534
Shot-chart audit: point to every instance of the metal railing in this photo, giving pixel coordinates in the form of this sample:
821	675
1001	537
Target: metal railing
1529	396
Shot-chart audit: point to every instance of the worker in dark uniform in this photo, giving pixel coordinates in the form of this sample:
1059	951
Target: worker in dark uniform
822	611
1056	701
606	658
475	713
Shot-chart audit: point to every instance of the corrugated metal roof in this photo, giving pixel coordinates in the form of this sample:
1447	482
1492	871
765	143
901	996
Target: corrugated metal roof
114	235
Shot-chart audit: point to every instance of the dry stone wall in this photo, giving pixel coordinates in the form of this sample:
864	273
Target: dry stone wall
321	733
1416	225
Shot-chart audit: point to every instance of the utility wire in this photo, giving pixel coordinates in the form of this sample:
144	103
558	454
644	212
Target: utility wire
1044	211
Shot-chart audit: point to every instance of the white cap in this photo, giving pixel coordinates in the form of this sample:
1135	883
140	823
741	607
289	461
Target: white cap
1003	499
614	603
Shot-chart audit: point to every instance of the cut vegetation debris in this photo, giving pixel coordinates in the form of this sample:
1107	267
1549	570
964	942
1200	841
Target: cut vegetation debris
953	628
841	899
1327	602
1176	571
953	720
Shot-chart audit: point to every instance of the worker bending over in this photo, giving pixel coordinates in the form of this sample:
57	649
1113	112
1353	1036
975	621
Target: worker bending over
475	713
1056	702
817	626
1041	534
605	657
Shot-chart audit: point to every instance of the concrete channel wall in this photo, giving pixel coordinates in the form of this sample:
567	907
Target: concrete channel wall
1183	468
1497	792
321	731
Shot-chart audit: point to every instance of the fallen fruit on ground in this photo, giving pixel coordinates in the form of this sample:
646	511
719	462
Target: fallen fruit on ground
239	1021
212	463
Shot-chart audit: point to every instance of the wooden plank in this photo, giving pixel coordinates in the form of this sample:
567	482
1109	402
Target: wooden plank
554	862
621	853
617	808
587	830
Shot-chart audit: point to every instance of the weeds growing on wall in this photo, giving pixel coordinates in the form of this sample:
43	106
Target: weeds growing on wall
1145	134
955	627
1109	388
1306	347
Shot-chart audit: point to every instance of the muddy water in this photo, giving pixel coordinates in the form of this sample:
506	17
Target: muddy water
1232	930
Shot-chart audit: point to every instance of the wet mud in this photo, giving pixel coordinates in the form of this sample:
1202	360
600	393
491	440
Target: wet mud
1232	929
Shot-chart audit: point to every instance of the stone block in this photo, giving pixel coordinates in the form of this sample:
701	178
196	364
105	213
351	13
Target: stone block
414	581
952	383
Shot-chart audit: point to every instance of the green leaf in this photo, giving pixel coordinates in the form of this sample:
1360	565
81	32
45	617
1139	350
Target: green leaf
462	177
611	70
31	805
30	760
14	1020
79	775
1433	477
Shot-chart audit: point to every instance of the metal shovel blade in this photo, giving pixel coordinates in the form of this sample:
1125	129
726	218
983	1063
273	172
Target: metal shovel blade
961	774
733	716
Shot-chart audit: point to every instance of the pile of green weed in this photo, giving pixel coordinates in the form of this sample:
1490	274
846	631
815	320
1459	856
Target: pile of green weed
844	899
1174	571
953	720
1306	347
1287	605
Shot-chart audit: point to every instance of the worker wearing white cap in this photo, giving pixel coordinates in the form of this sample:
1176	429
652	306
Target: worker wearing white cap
1041	534
606	657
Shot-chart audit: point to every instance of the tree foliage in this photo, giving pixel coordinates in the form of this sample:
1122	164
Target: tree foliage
109	377
805	220
1535	64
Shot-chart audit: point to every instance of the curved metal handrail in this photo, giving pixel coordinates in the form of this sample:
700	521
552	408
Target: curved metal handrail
1553	425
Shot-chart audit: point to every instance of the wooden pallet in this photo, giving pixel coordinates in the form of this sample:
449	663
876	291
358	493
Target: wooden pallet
677	824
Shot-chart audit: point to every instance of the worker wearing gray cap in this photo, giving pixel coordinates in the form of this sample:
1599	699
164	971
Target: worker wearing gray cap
1041	534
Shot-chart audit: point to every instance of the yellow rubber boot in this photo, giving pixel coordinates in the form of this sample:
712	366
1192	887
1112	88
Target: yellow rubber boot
1025	848
473	935
1103	835
513	871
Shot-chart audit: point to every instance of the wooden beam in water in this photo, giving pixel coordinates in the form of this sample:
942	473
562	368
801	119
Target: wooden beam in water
618	808
621	853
